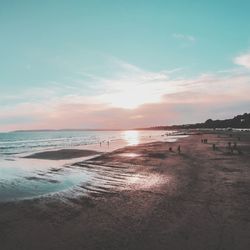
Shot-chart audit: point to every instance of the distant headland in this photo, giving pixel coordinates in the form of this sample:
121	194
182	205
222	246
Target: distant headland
239	121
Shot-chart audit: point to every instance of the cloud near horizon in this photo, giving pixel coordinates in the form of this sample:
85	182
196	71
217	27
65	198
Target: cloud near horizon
132	97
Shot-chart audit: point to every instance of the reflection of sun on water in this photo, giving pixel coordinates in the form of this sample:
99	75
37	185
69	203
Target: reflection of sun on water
131	137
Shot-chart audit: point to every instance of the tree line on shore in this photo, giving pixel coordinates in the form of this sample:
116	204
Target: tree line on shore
239	121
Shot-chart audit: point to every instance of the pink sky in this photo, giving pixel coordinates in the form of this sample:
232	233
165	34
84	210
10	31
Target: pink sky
133	98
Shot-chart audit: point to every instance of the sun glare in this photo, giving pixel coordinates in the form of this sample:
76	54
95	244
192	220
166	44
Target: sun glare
131	137
132	99
131	96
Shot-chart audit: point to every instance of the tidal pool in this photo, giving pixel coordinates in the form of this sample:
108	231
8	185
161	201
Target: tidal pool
24	182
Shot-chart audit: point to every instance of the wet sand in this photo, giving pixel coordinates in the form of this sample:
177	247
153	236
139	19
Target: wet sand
62	154
157	199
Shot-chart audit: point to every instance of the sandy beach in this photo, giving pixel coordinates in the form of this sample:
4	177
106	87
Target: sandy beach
153	198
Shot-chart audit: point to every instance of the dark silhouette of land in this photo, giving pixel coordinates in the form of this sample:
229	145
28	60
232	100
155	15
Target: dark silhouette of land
239	121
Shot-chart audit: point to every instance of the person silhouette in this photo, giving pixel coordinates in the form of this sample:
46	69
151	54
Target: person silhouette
179	149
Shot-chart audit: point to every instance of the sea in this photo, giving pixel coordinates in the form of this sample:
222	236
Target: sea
21	143
22	178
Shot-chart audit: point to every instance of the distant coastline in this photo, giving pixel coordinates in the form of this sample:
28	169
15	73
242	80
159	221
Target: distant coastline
60	130
239	121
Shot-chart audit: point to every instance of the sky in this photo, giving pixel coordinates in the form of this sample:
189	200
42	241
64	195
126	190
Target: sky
122	64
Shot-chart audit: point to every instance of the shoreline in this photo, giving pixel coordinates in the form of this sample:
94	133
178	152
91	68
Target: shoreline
94	149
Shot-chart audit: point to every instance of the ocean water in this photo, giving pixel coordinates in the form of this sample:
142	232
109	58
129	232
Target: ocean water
15	143
20	143
22	178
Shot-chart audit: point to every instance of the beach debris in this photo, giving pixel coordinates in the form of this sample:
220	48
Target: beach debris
170	149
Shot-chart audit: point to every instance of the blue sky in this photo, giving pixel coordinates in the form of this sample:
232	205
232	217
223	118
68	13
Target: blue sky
57	54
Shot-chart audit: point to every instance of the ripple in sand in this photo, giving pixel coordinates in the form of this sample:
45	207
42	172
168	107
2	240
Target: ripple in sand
84	178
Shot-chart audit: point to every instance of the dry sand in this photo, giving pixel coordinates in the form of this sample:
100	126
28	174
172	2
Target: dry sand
199	199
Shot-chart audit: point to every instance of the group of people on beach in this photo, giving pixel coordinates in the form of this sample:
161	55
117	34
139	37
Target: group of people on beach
104	142
178	149
203	140
231	146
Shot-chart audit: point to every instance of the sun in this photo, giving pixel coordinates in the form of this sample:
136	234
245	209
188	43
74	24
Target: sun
132	98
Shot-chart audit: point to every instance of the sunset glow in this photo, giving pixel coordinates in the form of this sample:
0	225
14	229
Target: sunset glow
131	137
131	99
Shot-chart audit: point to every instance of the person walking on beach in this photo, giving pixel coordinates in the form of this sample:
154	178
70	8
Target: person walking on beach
230	148
234	147
179	149
108	143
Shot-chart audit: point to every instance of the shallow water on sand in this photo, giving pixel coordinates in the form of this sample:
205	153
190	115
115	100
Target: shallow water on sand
28	178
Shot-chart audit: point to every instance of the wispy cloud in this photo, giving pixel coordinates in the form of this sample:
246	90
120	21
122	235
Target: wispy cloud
132	86
243	60
183	37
